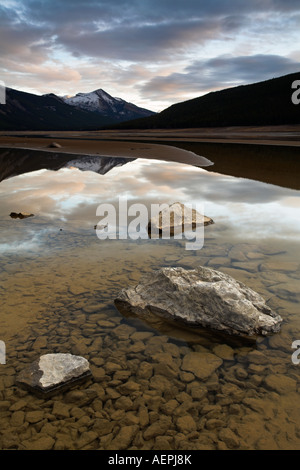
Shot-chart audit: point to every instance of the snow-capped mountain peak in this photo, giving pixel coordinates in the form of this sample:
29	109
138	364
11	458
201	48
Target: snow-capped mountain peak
100	101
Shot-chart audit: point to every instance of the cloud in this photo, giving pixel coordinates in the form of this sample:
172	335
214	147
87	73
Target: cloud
129	44
140	42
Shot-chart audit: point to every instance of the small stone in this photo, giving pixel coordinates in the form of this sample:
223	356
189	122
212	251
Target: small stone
86	438
197	390
17	418
252	255
145	370
129	387
186	376
40	343
143	416
124	438
167	370
158	428
240	373
122	375
169	407
61	410
81	397
237	254
54	145
230	438
123	403
105	324
234	409
43	443
112	367
98	374
4	405
280	266
77	412
18	405
224	351
232	390
123	332
141	335
160	383
201	364
77	290
9	441
257	357
186	424
214	423
103	427
163	443
20	215
280	383
33	417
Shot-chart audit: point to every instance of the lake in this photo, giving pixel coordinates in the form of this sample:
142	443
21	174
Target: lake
59	282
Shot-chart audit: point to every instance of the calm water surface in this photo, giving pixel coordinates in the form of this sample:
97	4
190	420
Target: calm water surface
58	284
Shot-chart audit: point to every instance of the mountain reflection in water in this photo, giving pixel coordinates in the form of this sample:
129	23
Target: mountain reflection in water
240	207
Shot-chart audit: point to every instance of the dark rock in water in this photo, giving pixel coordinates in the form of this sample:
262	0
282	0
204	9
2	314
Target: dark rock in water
200	297
54	145
176	218
52	373
20	215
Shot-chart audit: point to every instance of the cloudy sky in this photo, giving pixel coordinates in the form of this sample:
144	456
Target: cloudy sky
151	52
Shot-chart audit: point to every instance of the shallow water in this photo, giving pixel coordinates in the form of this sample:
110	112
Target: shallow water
58	284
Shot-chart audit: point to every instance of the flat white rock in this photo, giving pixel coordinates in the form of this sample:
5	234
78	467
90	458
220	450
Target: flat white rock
57	368
176	218
54	371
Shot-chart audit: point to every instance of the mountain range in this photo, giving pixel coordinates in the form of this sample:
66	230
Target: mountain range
258	104
26	111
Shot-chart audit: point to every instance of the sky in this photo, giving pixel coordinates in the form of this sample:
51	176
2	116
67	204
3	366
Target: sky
153	53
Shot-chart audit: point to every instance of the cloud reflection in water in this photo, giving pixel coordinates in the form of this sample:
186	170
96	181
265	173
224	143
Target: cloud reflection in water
245	208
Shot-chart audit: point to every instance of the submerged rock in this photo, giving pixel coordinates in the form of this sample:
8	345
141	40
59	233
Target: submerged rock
176	218
53	372
54	145
20	215
200	297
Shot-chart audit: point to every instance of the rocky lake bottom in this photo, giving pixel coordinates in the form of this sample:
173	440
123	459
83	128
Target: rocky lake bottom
156	384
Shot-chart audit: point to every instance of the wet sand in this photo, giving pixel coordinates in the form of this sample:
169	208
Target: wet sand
81	146
268	135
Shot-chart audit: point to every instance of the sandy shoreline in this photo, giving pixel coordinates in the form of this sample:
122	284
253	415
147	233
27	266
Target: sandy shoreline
108	149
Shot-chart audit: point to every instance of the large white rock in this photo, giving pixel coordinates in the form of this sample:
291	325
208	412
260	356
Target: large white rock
53	372
200	297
